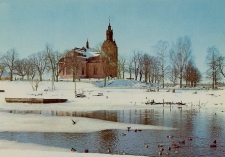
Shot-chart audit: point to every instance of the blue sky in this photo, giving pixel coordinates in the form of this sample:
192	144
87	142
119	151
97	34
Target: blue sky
27	25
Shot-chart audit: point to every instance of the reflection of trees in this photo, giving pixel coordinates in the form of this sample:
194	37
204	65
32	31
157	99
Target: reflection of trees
107	139
184	121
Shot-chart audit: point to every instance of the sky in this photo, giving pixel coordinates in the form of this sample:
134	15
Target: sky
28	25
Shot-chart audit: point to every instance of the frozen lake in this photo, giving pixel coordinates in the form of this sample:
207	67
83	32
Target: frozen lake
203	125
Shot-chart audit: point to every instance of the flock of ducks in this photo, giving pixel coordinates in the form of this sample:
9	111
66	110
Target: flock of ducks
161	148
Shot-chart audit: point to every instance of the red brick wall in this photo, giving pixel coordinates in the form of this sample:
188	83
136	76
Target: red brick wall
90	70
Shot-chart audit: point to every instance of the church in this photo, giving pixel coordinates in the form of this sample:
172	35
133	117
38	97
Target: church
88	62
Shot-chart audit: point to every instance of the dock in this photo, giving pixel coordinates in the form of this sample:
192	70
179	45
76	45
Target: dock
34	100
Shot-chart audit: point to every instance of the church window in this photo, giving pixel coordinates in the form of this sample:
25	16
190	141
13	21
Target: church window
95	70
82	70
68	71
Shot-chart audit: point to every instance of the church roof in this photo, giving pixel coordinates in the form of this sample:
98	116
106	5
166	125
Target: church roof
86	52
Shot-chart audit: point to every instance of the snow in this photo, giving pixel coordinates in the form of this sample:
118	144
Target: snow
88	52
119	98
125	83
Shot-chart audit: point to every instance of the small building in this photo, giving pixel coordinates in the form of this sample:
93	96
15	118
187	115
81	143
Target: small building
88	62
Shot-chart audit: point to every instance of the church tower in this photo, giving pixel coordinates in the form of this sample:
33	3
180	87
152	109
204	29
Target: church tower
109	33
87	44
110	48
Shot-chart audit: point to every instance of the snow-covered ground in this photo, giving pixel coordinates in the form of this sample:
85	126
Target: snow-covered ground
115	97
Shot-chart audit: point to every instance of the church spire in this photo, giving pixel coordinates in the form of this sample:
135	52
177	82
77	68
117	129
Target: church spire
109	33
87	44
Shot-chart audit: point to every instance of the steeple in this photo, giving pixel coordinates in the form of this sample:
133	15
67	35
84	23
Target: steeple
109	33
87	44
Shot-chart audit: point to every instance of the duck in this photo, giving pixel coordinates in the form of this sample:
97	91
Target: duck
160	153
176	152
73	150
128	128
212	145
189	138
169	148
167	153
109	151
176	146
146	146
170	136
86	151
182	142
160	145
214	141
123	153
162	149
123	134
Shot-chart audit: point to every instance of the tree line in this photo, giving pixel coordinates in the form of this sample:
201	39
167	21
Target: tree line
33	66
175	64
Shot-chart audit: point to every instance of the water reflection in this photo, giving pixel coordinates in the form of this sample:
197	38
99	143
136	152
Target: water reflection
200	124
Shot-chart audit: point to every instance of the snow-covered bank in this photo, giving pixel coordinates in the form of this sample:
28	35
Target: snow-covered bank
34	153
15	149
40	123
111	99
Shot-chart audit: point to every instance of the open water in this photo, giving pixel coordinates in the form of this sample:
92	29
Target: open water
201	124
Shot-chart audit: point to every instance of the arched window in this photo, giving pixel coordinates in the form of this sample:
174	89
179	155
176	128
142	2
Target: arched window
95	70
82	70
68	71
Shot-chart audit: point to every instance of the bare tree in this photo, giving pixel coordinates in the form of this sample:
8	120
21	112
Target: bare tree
187	75
20	67
130	67
9	60
136	61
162	53
30	68
191	74
212	61
141	66
105	62
172	74
53	58
2	67
196	77
221	64
154	72
180	53
34	84
146	61
40	62
121	67
72	62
